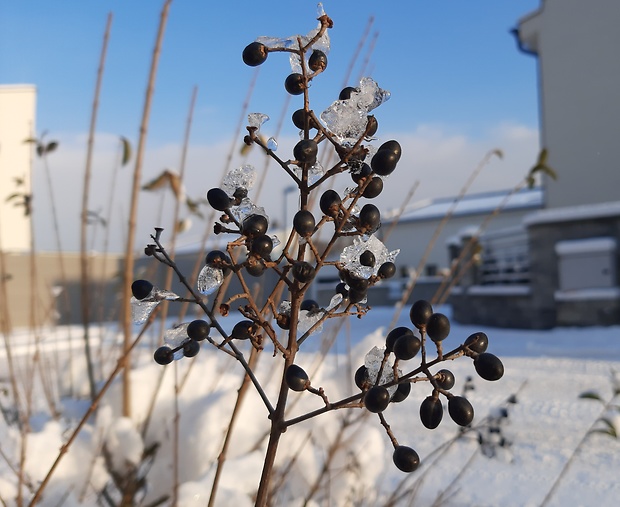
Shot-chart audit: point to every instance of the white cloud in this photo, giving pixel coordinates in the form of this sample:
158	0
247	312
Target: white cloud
440	158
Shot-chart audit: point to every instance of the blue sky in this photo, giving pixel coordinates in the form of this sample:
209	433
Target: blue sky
452	66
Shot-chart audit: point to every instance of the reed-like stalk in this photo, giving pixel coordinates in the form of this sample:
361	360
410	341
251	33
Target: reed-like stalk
133	211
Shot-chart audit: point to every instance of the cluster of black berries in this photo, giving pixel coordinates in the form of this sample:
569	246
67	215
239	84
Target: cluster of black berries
363	264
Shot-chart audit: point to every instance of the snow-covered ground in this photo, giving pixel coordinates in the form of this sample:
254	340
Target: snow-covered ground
545	371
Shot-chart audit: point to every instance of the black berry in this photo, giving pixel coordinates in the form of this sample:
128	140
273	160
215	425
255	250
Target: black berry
218	199
438	327
330	203
243	330
361	376
401	393
309	305
477	342
372	126
407	347
460	410
420	313
370	217
345	94
377	399
262	245
431	412
304	223
254	225
394	335
384	162
445	379
406	459
367	258
317	60
374	188
303	271
305	151
254	54
163	355
294	84
489	366
296	378
141	289
191	348
364	171
198	330
387	270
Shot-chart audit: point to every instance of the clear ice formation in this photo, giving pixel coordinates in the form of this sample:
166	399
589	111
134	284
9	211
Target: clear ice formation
256	120
209	280
176	337
347	119
350	256
245	209
315	173
240	177
272	144
373	361
142	308
307	319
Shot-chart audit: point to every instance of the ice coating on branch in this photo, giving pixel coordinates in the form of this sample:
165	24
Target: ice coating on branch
315	173
256	120
176	337
246	208
350	256
373	361
334	302
319	10
141	309
307	319
209	280
272	144
347	119
240	177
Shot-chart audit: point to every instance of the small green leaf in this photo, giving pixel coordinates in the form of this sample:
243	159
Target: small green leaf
591	395
542	156
126	151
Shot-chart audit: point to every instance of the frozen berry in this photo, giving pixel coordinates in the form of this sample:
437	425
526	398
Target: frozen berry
460	410
384	162
367	258
303	271
243	330
317	60
406	459
218	259
438	327
256	269
262	245
361	376
330	203
420	313
218	199
489	366
296	378
431	412
445	379
402	391
387	270
364	171
406	347
374	188
394	335
294	84
299	119
370	217
304	223
357	295
254	54
372	126
191	348
391	146
305	151
309	305
477	342
198	330
254	225
341	289
141	289
377	399
345	94
163	355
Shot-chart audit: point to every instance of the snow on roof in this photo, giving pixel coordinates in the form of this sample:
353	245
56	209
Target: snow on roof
475	204
572	213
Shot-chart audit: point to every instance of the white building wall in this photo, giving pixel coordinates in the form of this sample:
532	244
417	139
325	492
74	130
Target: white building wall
17	123
577	43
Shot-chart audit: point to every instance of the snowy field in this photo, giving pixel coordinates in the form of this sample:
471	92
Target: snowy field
513	455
